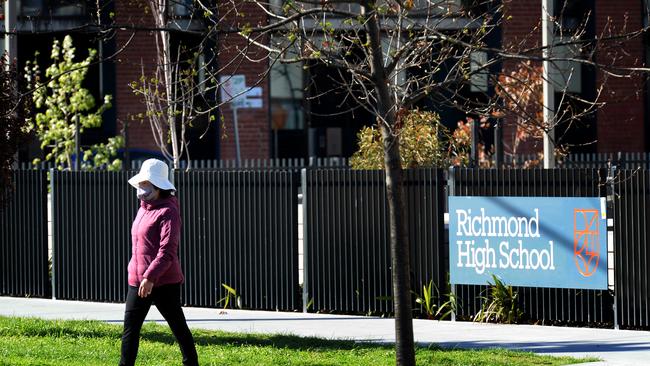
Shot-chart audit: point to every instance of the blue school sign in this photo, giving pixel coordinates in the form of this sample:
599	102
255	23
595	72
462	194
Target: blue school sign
529	241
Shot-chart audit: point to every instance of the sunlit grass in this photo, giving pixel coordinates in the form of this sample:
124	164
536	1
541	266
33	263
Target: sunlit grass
26	341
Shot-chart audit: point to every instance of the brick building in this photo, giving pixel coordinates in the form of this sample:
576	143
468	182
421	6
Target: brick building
128	49
620	125
287	123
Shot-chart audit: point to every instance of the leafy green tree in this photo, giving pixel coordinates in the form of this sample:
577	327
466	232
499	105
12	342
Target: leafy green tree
63	101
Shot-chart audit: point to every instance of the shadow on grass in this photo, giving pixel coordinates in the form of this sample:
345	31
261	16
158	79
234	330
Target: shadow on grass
203	338
31	327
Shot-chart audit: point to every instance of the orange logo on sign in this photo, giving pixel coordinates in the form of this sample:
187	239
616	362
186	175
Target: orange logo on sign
586	246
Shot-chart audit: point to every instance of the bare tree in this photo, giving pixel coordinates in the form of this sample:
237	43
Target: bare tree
393	55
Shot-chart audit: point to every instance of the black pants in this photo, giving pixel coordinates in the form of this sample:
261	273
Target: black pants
167	299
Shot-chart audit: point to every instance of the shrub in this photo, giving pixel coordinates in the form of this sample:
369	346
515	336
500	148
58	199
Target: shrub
424	142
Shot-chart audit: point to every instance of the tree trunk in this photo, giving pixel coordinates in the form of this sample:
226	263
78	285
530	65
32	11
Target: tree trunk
399	241
399	250
161	19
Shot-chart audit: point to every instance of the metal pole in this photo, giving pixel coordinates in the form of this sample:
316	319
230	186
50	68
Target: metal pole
77	143
451	191
10	42
53	230
10	28
549	90
611	206
236	124
305	247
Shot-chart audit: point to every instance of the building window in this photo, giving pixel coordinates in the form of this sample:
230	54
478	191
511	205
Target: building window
287	96
182	8
54	8
286	92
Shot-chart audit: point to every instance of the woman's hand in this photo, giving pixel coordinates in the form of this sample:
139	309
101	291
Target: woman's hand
145	288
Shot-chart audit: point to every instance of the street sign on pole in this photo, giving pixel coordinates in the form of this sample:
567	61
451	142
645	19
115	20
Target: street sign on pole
233	90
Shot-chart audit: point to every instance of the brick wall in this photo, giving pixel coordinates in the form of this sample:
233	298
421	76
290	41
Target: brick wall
521	30
254	124
621	121
138	48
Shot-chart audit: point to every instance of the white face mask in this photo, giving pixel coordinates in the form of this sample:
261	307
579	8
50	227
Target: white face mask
145	194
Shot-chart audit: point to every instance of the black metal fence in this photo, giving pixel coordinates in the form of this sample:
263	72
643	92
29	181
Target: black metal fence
92	215
346	240
238	229
538	303
632	255
23	237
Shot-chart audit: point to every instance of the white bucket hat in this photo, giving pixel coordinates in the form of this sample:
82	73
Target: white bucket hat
156	172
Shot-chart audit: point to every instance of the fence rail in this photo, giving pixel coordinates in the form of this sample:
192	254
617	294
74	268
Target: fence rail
256	164
621	160
23	237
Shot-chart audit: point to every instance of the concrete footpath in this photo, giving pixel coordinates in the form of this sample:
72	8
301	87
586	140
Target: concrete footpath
614	347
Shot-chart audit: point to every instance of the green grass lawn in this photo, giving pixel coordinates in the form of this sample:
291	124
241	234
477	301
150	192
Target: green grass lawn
26	341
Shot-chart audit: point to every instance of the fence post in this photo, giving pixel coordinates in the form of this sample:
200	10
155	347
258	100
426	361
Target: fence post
611	195
52	211
305	247
451	192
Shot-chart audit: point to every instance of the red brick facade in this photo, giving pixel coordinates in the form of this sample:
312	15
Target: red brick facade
139	48
254	124
620	122
521	30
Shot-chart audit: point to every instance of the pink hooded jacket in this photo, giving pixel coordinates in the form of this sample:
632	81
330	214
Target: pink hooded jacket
155	235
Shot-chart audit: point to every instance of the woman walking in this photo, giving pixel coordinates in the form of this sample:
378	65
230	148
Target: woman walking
155	274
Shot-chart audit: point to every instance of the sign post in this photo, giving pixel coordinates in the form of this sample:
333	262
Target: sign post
234	90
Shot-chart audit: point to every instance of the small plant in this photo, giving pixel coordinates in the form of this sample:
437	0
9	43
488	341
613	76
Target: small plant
428	302
230	293
448	307
501	305
426	299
